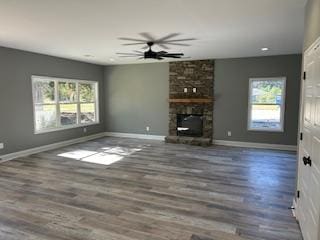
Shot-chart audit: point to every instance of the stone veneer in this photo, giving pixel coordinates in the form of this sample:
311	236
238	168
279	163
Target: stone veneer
191	74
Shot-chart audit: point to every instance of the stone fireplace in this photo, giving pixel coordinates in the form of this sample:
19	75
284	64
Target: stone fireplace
191	102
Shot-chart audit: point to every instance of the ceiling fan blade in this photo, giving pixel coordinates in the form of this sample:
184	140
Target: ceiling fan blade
129	44
132	39
162	52
163	46
147	36
145	47
127	53
179	40
174	54
130	54
171	35
141	58
171	56
178	44
138	51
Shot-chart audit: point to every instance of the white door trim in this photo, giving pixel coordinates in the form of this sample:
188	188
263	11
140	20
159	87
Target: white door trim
307	210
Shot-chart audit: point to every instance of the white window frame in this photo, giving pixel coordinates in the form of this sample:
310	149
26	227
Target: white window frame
60	127
282	105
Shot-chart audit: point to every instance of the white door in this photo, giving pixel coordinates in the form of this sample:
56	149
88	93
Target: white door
308	204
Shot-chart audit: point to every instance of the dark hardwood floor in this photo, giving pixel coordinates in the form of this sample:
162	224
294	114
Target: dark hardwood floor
145	190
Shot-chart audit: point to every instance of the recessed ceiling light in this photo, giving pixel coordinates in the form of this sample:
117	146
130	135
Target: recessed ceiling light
88	55
111	59
264	49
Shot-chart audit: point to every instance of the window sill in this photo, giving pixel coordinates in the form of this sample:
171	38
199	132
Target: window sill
65	128
266	130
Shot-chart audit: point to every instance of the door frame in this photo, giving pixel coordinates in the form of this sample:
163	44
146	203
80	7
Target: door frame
300	128
301	124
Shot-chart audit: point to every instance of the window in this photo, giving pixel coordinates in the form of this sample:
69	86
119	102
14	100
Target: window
63	103
266	104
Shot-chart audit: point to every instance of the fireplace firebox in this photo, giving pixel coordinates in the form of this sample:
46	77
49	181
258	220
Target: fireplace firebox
190	125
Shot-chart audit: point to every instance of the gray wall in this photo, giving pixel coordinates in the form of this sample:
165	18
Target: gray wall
231	97
136	97
312	22
16	110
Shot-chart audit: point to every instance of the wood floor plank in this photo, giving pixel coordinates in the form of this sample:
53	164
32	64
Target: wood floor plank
131	189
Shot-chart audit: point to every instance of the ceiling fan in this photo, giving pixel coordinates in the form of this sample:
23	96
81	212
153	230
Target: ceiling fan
149	41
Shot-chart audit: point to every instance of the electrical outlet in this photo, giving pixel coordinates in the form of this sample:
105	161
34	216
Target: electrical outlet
1	146
229	133
148	128
84	130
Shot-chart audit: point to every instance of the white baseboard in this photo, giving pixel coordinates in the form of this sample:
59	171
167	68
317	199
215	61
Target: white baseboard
44	148
27	152
134	135
30	151
255	145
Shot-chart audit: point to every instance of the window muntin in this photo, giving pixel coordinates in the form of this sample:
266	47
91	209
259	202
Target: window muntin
266	104
63	103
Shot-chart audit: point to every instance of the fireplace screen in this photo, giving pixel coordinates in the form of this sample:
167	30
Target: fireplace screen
189	125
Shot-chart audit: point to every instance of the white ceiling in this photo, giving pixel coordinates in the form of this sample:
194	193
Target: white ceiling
223	28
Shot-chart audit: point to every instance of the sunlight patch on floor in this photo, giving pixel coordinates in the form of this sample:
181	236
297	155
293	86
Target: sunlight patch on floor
78	154
103	158
121	150
108	156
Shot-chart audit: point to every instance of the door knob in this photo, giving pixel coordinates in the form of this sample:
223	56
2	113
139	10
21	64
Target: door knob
307	160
